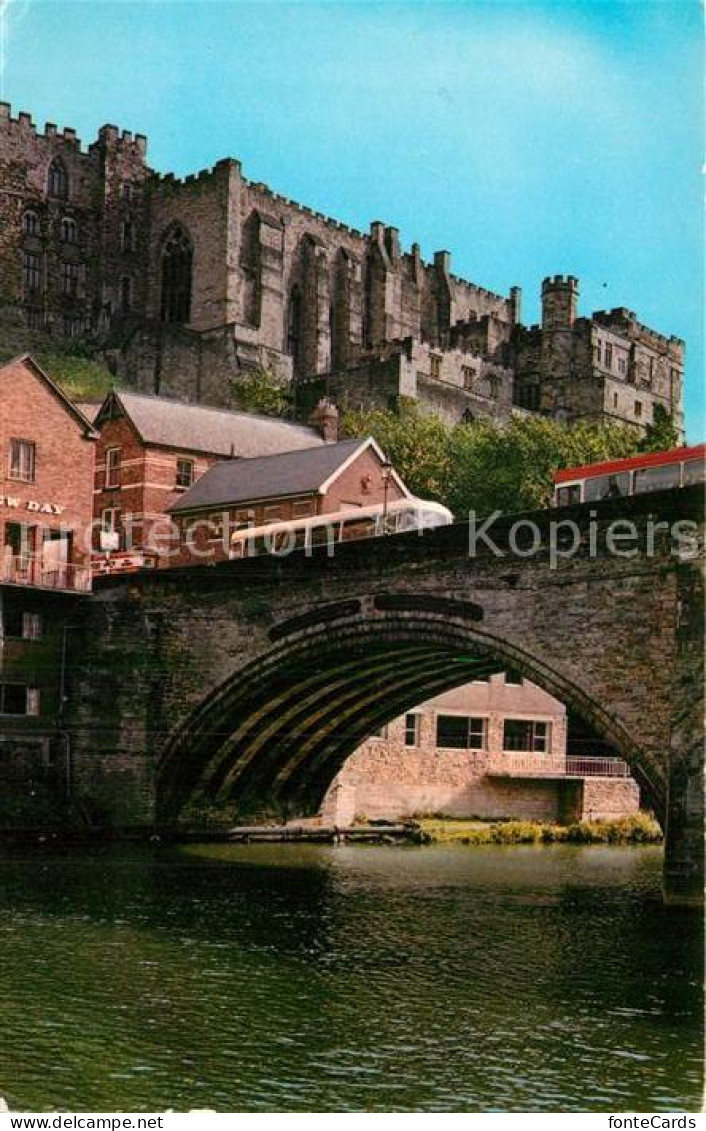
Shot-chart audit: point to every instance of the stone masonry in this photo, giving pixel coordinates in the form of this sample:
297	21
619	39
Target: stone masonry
252	682
186	284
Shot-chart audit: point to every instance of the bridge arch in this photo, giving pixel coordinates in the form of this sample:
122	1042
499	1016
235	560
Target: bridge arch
281	726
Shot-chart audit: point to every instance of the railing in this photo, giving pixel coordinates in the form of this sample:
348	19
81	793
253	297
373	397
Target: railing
597	767
33	571
519	764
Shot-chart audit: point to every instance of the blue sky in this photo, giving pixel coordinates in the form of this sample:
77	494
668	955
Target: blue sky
527	138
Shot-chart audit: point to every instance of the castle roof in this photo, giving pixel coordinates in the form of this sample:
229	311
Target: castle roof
165	423
272	477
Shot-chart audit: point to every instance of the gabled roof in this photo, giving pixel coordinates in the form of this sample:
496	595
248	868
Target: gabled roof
28	361
272	477
166	423
90	409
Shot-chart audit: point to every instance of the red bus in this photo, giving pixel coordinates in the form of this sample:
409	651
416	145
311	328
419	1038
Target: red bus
636	475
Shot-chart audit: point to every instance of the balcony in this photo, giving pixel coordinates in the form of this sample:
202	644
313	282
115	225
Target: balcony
518	765
29	570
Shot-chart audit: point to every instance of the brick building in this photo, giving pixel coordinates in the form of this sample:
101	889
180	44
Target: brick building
331	479
185	284
491	749
47	450
151	450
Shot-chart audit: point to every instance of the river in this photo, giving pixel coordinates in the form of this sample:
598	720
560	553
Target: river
316	978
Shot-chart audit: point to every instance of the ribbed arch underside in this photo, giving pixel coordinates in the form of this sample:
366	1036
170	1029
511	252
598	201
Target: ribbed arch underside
281	728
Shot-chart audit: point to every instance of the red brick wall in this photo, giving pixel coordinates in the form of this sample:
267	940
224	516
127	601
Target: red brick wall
147	482
360	483
29	410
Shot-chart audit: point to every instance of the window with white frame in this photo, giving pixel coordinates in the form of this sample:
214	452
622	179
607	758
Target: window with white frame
184	474
23	461
526	735
461	732
411	729
112	467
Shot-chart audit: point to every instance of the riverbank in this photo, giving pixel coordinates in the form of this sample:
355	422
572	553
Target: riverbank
637	829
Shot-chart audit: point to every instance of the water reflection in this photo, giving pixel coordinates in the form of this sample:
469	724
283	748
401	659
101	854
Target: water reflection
312	978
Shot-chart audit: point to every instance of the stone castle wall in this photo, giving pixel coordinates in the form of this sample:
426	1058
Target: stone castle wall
274	284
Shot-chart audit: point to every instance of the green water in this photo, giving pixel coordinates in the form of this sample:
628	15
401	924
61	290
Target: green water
316	978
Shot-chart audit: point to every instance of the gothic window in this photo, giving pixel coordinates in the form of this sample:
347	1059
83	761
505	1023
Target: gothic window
127	235
528	396
68	231
125	292
367	324
294	320
30	223
177	264
32	270
69	279
58	179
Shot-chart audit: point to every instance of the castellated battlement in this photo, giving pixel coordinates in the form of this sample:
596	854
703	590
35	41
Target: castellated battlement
623	320
564	281
201	180
23	124
286	202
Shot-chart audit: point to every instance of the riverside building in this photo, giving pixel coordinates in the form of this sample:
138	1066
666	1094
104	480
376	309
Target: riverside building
47	450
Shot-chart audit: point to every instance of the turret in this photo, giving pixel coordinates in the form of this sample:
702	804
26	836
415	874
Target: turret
559	302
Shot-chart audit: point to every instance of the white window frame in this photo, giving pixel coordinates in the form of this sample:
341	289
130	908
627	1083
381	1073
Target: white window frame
24	469
112	469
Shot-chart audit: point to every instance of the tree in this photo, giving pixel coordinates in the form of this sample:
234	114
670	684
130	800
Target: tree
480	466
512	468
260	390
415	443
662	434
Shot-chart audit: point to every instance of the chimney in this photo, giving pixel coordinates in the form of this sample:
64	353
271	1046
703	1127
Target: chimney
325	419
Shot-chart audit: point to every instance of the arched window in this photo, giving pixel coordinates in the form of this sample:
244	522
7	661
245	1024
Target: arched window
177	263
294	322
30	223
127	235
58	179
68	230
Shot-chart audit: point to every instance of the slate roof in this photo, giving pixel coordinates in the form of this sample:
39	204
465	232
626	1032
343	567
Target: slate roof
89	409
270	477
167	423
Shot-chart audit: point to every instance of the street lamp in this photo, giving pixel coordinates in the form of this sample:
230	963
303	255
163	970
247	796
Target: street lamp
386	473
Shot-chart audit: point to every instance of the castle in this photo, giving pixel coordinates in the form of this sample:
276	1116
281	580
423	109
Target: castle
184	285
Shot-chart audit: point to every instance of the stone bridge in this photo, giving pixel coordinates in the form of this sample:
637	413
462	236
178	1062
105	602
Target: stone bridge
253	681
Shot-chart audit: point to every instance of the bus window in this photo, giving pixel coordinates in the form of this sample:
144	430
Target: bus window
607	487
358	528
694	471
656	478
565	496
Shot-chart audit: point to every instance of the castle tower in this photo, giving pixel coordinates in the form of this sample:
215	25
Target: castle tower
560	297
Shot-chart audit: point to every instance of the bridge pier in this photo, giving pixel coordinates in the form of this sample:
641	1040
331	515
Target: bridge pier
684	832
683	877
